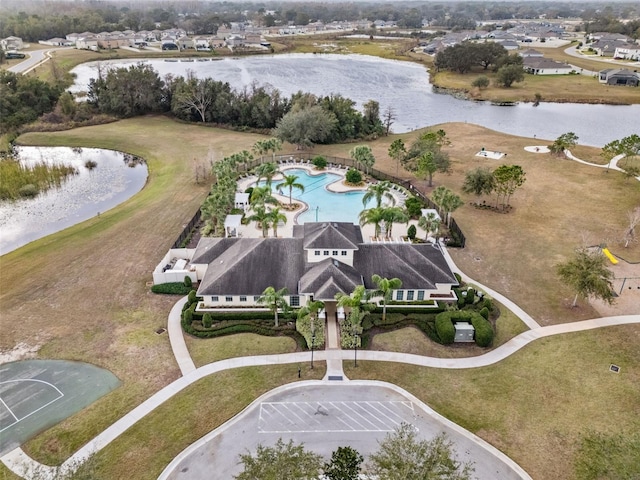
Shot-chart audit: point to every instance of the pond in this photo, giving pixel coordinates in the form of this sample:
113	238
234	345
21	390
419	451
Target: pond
116	178
402	85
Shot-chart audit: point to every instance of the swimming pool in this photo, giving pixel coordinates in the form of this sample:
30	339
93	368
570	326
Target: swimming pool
324	206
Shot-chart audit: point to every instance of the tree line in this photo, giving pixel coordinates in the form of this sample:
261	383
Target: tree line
303	118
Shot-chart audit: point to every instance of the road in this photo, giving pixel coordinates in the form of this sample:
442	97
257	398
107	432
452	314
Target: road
35	58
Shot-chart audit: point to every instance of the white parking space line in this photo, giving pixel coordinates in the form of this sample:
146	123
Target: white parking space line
339	416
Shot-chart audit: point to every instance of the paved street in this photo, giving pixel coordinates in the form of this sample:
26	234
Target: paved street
325	417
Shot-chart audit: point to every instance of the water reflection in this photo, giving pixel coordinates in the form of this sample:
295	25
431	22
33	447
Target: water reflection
402	86
115	178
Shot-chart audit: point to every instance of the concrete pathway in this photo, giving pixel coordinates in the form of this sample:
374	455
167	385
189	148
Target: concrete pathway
24	466
176	338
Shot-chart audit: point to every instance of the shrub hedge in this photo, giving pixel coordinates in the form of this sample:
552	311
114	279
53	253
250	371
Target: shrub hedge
172	288
444	328
187	281
484	331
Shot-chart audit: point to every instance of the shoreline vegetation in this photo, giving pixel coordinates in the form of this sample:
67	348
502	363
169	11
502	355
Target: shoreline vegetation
21	181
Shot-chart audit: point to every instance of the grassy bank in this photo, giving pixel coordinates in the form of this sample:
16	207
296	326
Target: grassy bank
538	404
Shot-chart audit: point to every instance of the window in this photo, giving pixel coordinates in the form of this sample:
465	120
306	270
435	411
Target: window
334	253
256	298
294	301
326	253
243	298
344	253
400	295
409	294
420	295
214	299
228	299
317	253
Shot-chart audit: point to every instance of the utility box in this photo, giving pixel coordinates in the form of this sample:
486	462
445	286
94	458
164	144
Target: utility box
464	332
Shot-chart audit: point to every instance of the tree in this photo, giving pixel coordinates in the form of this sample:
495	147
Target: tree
283	460
388	118
193	94
267	171
371	118
628	146
275	216
262	147
260	196
262	217
345	464
509	74
290	182
397	151
563	142
630	232
430	223
426	167
379	191
481	82
447	201
479	181
363	156
508	178
305	127
275	300
588	275
392	215
384	289
373	216
358	300
402	456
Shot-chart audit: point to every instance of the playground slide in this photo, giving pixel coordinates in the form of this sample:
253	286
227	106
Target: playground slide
613	259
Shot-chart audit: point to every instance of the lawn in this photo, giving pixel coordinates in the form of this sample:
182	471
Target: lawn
84	290
538	404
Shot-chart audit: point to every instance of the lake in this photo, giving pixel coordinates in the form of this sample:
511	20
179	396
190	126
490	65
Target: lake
116	178
402	85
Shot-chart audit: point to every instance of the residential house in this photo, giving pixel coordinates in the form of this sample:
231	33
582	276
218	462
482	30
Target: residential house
545	66
235	41
11	43
89	42
607	48
186	43
320	260
619	76
57	42
530	52
630	51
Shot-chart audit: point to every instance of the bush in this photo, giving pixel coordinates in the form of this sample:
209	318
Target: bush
484	311
187	316
353	176
411	232
192	297
207	320
249	190
481	82
471	295
90	164
29	190
484	331
445	329
187	281
458	278
172	288
488	304
414	207
319	162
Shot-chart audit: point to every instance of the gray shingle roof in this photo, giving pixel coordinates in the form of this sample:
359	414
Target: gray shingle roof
338	235
250	265
328	277
418	265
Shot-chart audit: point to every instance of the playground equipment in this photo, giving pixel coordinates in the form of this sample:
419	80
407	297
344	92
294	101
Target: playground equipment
610	256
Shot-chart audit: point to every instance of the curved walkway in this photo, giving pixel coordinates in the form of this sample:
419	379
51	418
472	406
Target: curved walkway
25	466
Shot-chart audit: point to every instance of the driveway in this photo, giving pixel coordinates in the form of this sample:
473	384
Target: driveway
35	58
325	416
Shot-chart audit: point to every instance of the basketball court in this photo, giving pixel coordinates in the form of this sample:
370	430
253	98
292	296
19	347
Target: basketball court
37	394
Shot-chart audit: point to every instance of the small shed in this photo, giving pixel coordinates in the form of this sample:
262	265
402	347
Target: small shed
232	225
464	332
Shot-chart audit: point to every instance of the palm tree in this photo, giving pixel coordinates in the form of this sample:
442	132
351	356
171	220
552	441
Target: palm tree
275	217
267	171
397	151
363	156
379	191
447	201
290	182
385	288
274	299
260	196
312	310
430	223
356	301
393	215
374	216
261	216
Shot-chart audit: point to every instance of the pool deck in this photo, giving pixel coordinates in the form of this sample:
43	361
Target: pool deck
286	231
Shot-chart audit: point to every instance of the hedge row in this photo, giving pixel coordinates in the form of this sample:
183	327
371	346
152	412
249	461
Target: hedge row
173	288
483	329
409	310
303	327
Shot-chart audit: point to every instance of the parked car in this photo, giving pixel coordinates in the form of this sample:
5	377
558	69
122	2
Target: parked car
12	55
